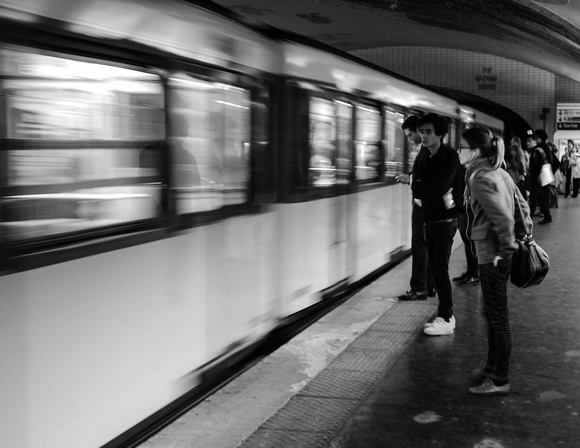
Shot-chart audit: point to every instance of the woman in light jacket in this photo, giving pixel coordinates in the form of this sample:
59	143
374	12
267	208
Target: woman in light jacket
491	192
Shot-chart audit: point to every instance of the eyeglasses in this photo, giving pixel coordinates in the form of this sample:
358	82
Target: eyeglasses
461	148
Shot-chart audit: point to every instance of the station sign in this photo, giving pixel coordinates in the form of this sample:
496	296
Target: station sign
568	116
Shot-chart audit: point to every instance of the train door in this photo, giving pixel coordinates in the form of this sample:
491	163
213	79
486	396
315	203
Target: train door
331	166
340	264
394	144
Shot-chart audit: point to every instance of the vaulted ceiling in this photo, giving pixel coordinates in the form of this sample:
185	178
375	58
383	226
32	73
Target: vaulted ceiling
542	33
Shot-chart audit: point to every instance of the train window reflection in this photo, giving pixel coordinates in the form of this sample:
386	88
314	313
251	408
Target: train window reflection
367	144
73	140
394	142
210	143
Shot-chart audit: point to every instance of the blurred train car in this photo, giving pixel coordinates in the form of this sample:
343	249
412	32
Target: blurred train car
175	186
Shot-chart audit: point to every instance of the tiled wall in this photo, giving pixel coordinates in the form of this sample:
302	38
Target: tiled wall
525	89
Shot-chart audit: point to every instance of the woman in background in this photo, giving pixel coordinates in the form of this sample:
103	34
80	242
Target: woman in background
491	193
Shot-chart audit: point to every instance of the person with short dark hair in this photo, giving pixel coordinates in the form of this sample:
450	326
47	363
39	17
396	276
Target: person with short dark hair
491	194
435	185
422	283
538	193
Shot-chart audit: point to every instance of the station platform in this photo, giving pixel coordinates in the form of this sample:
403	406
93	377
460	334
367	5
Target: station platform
366	376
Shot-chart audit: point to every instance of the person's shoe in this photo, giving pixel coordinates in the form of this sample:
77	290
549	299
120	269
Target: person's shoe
469	281
413	295
545	221
461	277
440	327
488	388
430	324
432	292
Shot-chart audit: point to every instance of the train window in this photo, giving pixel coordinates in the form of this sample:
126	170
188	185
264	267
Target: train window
81	144
344	142
452	140
322	169
262	160
330	142
209	142
367	144
394	142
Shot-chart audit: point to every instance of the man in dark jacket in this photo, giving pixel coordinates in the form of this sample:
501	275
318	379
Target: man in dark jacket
435	177
538	193
422	283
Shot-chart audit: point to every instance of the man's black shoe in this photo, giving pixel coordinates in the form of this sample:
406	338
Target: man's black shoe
413	295
545	221
461	277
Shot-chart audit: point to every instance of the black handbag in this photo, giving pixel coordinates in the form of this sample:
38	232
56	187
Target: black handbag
530	263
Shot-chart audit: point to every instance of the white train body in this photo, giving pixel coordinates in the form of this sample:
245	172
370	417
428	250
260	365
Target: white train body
159	211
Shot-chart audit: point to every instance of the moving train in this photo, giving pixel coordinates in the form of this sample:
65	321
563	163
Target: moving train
175	186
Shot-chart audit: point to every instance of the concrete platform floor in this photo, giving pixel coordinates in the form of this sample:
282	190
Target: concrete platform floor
366	376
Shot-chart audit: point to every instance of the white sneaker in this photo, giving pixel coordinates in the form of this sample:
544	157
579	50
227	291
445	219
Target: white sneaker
439	327
430	324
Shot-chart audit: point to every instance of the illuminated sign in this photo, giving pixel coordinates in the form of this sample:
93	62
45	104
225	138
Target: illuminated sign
568	116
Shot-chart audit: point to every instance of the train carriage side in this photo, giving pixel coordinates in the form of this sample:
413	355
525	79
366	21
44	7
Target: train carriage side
342	214
473	117
137	236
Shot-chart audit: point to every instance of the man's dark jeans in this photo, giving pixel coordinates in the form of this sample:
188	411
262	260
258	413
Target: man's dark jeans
493	281
540	195
421	275
439	237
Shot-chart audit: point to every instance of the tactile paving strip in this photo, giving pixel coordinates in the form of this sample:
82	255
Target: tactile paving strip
266	438
311	418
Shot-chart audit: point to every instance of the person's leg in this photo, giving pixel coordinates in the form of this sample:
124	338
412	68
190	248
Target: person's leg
544	200
533	199
472	266
439	244
494	290
553	196
443	234
462	227
418	251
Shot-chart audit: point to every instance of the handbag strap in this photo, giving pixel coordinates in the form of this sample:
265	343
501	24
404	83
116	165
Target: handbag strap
519	207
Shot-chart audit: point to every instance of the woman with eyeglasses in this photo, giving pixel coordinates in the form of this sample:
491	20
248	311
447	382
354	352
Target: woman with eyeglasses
491	193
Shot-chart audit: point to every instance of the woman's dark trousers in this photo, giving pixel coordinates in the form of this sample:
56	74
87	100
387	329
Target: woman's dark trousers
493	280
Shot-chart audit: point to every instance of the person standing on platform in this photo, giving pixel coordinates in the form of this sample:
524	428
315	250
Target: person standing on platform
538	193
435	185
565	167
491	194
422	282
465	221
